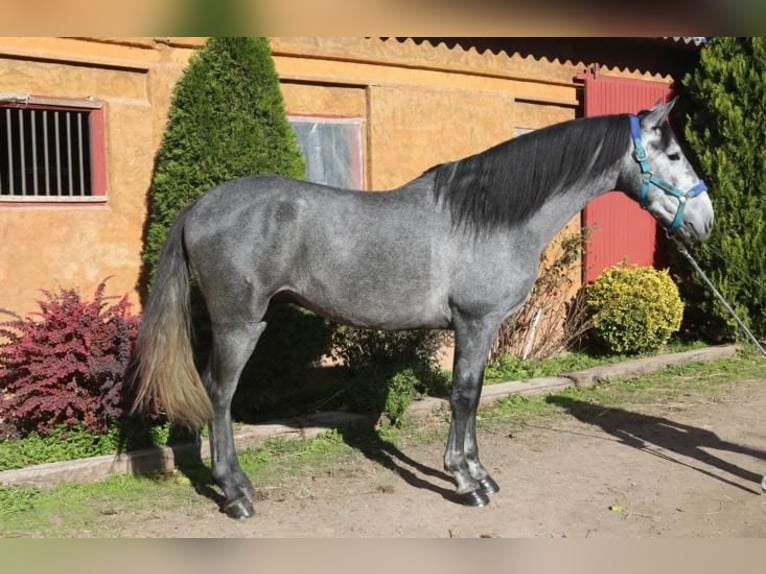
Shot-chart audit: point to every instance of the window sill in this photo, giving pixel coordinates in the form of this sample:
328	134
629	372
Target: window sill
57	202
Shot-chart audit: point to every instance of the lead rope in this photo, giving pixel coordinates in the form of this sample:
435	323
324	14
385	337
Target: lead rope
685	253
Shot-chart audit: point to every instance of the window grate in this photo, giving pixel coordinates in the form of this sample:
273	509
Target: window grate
46	152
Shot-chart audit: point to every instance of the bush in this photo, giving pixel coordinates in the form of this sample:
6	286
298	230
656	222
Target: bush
389	369
726	96
67	366
283	361
635	309
386	394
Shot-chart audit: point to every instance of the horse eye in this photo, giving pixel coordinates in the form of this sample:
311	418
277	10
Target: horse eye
674	156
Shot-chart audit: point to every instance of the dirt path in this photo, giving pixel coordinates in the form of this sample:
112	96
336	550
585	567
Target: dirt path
676	469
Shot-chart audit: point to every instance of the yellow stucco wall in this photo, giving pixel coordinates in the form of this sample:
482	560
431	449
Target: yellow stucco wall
45	247
422	104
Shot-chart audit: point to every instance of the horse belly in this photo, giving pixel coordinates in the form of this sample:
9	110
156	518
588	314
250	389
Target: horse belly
375	285
370	310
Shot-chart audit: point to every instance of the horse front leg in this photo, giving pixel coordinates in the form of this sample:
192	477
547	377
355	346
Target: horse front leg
472	341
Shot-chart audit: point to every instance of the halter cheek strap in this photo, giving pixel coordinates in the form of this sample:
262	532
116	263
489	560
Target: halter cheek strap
648	178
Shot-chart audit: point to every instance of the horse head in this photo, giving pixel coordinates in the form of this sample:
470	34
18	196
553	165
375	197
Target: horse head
660	177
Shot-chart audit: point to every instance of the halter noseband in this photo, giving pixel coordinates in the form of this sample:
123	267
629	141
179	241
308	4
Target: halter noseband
647	177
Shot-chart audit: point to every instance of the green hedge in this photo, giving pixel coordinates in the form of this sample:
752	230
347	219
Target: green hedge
226	120
726	97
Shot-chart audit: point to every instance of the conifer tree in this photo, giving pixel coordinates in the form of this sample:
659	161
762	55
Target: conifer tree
725	130
226	119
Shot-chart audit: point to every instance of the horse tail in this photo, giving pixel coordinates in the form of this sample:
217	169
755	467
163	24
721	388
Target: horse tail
165	372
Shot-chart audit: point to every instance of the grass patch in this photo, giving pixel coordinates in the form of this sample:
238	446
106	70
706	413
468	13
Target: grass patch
512	368
70	443
285	457
671	384
16	499
85	510
674	382
62	444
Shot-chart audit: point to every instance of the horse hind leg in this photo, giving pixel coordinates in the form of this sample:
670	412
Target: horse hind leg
232	346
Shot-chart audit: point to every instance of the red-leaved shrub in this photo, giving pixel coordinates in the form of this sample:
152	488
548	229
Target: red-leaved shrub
66	364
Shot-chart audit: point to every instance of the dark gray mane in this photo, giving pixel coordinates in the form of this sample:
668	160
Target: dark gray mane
507	183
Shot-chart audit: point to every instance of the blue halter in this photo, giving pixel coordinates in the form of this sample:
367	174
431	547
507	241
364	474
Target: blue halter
639	154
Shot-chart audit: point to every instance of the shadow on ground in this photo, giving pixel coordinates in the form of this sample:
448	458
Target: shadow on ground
649	433
363	438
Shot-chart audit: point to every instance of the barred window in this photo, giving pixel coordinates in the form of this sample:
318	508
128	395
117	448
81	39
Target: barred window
51	149
332	147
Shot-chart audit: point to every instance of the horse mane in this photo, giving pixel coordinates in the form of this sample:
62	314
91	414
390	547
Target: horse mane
505	184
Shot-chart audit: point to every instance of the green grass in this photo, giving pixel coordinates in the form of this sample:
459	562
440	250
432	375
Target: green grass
68	443
511	368
276	468
61	444
82	510
667	385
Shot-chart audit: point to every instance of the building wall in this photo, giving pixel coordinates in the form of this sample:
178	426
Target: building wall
423	102
46	247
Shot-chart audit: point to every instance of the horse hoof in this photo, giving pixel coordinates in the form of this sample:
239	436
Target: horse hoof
239	509
476	498
488	485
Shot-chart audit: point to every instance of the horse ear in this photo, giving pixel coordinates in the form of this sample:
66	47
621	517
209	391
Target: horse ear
658	113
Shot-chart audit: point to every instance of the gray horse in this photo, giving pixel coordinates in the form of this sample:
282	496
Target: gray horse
457	248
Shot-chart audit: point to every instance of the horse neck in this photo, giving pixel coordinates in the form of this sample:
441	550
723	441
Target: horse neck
560	208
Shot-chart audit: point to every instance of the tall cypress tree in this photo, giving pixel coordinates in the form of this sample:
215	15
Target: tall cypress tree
226	119
725	129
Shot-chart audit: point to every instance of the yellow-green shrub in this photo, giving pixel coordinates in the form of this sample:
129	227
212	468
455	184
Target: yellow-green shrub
635	309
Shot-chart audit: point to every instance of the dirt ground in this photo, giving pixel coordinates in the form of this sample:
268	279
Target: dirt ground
690	469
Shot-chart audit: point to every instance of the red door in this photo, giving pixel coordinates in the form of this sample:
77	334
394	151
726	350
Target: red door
622	229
